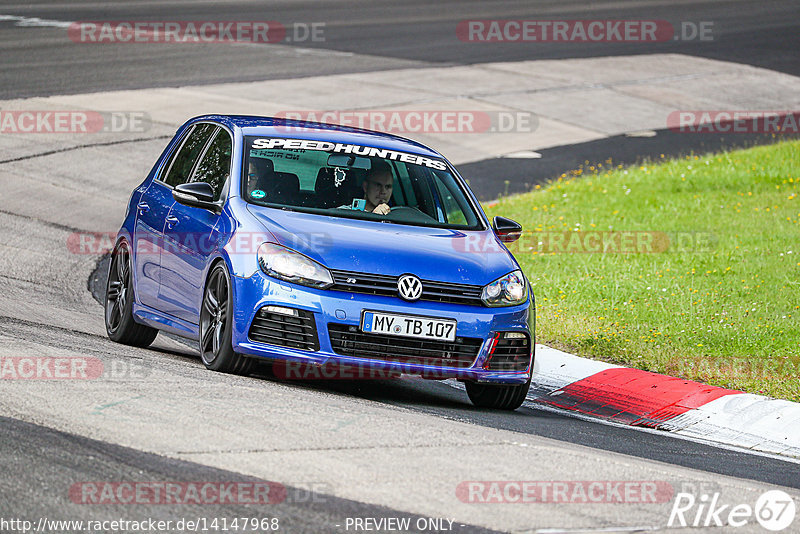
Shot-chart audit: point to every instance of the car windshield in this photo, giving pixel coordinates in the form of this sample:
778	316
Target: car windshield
354	181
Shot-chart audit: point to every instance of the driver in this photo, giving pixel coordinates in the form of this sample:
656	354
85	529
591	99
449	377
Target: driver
378	188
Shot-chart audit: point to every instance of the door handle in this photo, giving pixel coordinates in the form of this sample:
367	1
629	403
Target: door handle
142	207
172	221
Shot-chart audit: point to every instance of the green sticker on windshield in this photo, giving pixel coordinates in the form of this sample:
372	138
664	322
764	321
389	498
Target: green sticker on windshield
258	193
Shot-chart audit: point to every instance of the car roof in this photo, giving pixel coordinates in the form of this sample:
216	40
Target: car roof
296	129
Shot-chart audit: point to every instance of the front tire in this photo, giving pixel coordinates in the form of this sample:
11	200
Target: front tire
497	397
216	325
120	325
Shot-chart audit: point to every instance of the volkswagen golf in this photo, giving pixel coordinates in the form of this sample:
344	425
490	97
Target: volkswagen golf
309	244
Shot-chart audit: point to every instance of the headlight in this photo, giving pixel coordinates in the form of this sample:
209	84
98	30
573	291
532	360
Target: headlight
507	290
285	264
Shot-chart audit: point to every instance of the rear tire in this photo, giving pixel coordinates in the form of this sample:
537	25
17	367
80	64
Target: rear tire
120	325
497	397
216	325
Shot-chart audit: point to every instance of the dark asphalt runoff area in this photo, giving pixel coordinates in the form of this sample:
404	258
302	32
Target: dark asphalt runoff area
40	60
49	474
487	178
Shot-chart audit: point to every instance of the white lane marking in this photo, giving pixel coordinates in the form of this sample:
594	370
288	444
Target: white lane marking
753	421
35	22
523	154
534	405
588	418
642	133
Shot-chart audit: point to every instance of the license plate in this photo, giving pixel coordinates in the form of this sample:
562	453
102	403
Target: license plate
409	326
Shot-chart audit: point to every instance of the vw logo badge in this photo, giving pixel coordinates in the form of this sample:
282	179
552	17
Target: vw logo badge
409	287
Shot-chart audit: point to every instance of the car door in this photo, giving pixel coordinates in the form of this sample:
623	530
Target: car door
153	208
151	212
191	236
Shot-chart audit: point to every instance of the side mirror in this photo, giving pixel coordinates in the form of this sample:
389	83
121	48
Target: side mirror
507	230
197	195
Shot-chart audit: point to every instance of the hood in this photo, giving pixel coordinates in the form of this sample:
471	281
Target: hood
455	256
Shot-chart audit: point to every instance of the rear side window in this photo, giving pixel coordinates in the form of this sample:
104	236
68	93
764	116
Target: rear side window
215	167
181	168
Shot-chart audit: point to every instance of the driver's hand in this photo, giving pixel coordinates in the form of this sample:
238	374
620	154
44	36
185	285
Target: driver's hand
382	209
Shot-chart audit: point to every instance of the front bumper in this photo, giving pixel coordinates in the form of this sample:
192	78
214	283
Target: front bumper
344	308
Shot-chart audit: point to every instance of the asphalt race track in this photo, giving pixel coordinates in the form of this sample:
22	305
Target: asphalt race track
412	33
333	450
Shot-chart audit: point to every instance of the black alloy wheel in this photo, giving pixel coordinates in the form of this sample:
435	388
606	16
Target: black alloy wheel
216	324
120	325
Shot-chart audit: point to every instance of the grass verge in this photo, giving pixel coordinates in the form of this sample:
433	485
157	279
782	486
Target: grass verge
688	267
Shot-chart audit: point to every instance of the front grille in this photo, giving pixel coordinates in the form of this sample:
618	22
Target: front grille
379	284
350	341
296	332
510	354
371	284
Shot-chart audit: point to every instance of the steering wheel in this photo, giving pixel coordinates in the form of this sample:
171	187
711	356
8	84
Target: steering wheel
418	213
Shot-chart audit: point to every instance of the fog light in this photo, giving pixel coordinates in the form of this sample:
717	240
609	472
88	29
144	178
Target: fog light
280	310
514	335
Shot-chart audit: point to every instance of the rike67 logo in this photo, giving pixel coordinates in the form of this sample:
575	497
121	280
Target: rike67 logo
774	510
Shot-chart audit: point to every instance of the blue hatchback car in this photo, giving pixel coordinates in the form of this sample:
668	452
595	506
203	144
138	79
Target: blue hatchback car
309	245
